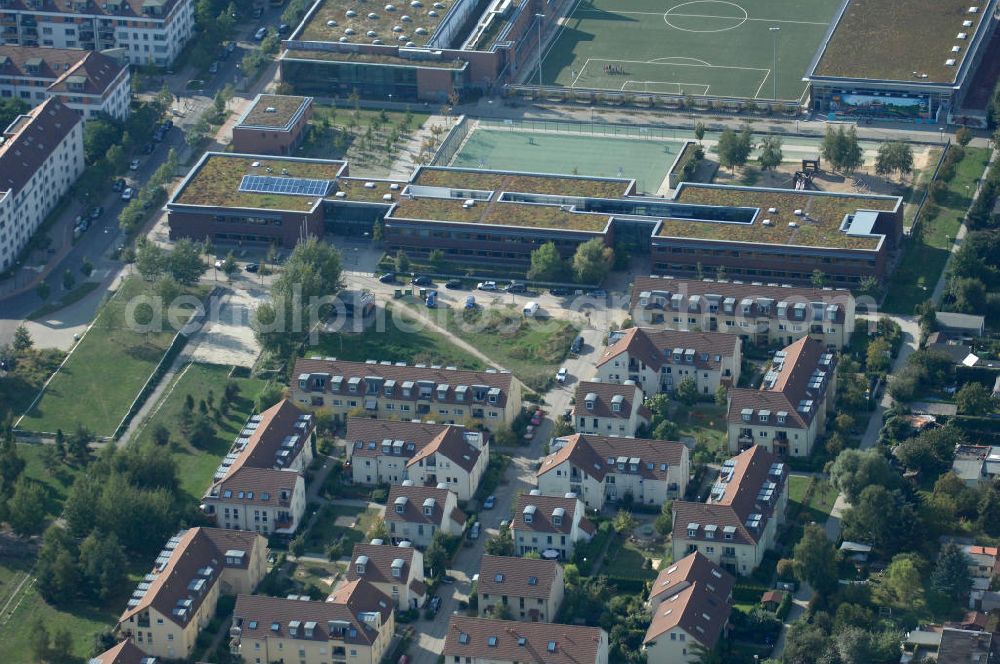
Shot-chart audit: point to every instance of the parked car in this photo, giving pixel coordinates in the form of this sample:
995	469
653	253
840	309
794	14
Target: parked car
470	302
475	530
231	46
490	502
388	278
214	67
95	213
134	165
435	604
432	300
252	267
537	418
577	346
422	281
118	186
447	580
453	284
260	34
561	375
600	293
283	28
487	285
559	292
128	194
516	287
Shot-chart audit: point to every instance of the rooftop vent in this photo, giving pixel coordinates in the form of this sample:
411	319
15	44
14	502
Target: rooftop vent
792	224
950	62
270	109
766	222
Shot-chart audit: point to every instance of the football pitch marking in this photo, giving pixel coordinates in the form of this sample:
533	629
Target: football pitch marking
661	87
740	20
694	62
749	18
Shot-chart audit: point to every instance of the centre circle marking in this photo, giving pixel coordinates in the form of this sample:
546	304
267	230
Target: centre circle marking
673	11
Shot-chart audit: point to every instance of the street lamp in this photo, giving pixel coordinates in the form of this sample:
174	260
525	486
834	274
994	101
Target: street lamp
774	60
538	19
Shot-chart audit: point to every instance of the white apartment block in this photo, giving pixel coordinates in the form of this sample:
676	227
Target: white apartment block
40	159
260	486
88	82
761	314
658	360
605	469
150	32
392	451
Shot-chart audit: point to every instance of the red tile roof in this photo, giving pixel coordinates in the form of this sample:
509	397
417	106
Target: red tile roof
197	554
125	652
96	71
413	511
631	397
35	135
695	595
718	291
452	378
737	501
517	577
366	436
529	643
129	8
258	615
655	347
597	456
789	383
541	521
380	558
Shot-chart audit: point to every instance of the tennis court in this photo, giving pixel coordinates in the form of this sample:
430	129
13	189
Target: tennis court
645	160
751	49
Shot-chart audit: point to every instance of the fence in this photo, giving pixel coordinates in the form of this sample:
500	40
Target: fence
927	187
452	142
584	128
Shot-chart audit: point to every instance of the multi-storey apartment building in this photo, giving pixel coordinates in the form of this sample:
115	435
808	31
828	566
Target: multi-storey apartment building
150	32
396	571
789	411
549	525
658	360
391	451
387	390
273	124
690	602
355	624
520	588
739	521
177	599
761	314
260	486
604	469
87	81
40	158
610	409
415	513
489	641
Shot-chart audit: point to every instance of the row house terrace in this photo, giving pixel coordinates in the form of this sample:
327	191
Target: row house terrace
549	525
396	390
658	360
605	469
521	588
260	484
738	523
415	513
491	641
788	414
392	451
760	313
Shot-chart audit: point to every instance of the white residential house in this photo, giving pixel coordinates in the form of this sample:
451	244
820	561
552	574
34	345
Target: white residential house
521	588
549	525
604	469
415	513
397	571
609	409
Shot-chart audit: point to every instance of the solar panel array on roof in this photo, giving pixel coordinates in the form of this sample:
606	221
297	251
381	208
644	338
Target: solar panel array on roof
270	184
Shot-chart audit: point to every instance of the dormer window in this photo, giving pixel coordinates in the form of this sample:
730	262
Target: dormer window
429	505
616	406
746	414
557	516
397	568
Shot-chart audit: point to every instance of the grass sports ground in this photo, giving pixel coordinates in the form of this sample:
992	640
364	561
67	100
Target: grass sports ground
721	48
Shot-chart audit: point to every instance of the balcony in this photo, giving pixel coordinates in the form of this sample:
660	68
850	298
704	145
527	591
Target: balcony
745	441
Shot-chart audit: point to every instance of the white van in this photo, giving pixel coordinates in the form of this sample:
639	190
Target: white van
530	309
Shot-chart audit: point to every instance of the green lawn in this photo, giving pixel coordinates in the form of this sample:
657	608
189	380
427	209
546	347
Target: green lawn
105	372
57	482
706	424
627	562
925	258
531	348
23	605
396	345
195	466
325	531
824	495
